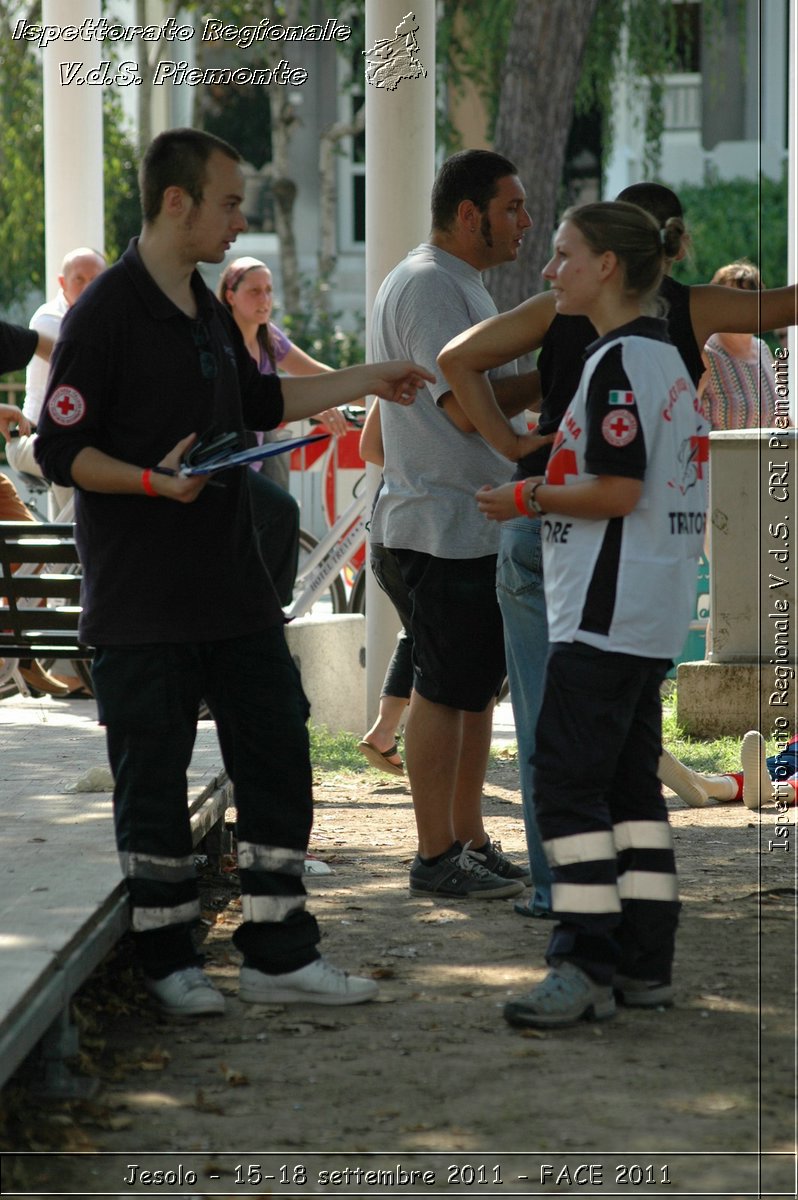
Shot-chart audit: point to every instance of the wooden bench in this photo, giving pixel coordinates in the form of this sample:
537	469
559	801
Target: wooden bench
63	903
40	581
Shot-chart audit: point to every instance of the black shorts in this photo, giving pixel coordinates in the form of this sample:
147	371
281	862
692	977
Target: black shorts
456	625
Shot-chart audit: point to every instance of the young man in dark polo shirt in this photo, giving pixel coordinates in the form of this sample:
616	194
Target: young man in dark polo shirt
176	597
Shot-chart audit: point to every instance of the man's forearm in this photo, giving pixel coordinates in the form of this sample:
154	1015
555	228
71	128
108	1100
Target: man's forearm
397	381
517	393
308	395
478	404
95	471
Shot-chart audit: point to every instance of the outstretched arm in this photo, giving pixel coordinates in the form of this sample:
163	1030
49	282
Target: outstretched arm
297	362
718	309
10	415
44	346
394	381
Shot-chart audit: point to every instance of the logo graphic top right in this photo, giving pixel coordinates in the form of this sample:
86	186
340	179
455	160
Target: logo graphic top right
390	60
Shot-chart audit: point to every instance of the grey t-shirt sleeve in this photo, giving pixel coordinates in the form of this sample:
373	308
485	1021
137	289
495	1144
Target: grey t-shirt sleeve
429	314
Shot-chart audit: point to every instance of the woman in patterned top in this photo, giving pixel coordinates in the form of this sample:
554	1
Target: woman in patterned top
739	388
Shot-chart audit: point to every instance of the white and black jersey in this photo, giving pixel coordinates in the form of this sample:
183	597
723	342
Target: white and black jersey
627	584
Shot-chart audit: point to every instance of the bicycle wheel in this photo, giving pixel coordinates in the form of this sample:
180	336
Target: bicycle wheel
332	595
357	598
75	666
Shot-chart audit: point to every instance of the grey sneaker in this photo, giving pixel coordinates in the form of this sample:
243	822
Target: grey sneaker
460	874
500	864
565	996
186	993
642	993
317	983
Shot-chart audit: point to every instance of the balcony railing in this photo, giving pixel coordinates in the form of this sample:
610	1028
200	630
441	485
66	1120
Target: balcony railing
682	102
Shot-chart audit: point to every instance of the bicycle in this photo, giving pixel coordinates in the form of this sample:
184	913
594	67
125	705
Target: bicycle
323	562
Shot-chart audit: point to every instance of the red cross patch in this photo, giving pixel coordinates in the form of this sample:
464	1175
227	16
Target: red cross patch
619	428
66	406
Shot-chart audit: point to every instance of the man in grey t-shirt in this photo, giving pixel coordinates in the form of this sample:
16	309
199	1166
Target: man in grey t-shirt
426	517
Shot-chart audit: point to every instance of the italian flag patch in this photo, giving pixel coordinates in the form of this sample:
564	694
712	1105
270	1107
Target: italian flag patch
622	397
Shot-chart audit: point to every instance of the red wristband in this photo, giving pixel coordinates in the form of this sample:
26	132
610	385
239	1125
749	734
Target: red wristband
146	482
519	498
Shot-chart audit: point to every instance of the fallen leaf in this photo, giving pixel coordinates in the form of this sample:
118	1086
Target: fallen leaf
233	1077
202	1104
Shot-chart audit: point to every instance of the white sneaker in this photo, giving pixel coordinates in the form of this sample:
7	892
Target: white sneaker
317	983
316	866
187	993
757	784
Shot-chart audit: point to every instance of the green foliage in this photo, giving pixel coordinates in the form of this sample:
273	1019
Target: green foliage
712	756
318	331
740	218
639	42
22	173
122	209
470	45
334	751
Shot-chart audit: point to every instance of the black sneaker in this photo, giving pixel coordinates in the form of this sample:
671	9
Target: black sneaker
500	864
460	874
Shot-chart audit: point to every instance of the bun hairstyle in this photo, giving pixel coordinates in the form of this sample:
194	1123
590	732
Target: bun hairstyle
639	243
229	281
661	202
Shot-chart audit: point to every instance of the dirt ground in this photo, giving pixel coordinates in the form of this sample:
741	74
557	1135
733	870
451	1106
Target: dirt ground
693	1100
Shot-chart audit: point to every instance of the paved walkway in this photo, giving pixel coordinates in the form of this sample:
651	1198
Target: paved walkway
62	904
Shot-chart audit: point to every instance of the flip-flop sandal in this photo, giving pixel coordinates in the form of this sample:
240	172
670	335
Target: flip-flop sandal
379	758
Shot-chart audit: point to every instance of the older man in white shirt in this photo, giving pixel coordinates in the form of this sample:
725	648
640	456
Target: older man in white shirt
78	269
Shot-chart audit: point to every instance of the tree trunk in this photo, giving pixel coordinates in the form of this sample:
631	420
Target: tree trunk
539	78
284	191
328	191
284	116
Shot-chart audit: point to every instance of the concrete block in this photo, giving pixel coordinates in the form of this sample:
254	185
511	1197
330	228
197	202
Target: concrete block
752	499
727	699
330	653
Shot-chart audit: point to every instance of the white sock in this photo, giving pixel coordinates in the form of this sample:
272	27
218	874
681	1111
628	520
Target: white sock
721	787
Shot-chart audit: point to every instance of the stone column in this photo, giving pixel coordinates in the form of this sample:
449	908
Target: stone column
400	168
749	678
73	136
